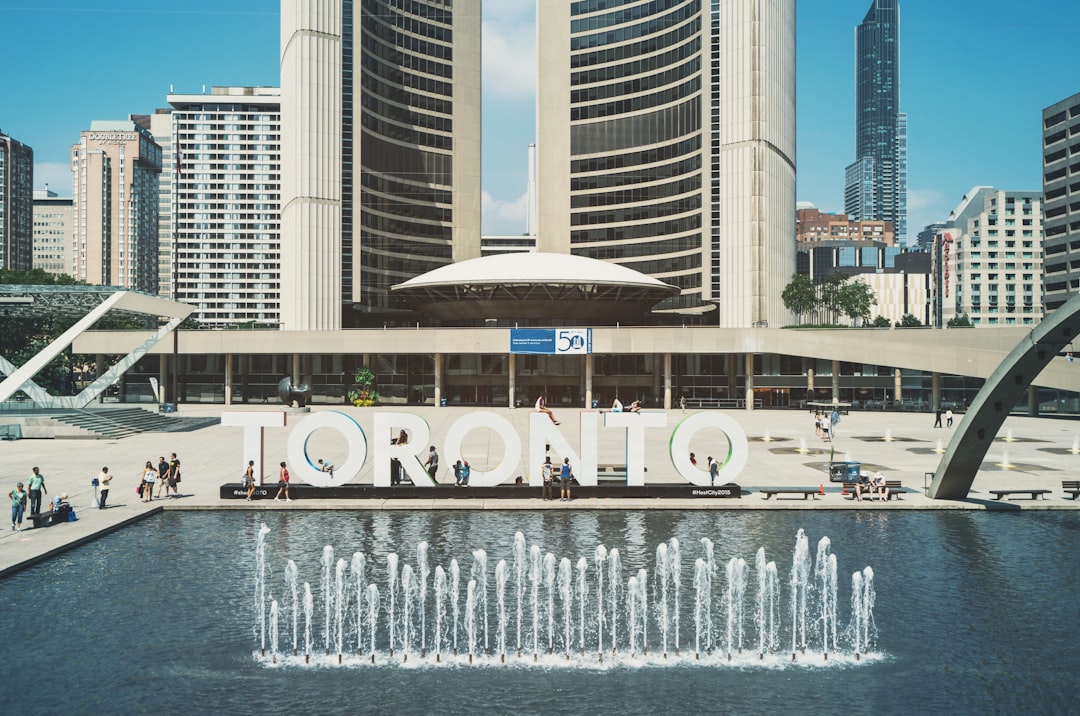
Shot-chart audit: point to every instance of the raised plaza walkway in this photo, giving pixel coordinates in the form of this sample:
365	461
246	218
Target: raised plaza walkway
903	446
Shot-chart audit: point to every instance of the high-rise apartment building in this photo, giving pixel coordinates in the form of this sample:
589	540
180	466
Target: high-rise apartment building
225	203
52	232
875	184
987	261
925	239
380	151
666	143
115	206
1061	192
16	204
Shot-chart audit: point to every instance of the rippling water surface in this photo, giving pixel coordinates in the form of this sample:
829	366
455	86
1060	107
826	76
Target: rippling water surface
975	613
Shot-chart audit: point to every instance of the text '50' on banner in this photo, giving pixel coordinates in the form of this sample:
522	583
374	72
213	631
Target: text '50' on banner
551	341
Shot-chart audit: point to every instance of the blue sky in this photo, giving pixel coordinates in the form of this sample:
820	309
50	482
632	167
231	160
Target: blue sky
975	75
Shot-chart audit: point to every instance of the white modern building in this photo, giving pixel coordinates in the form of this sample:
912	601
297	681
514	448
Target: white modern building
52	231
988	259
1061	190
666	144
380	152
226	203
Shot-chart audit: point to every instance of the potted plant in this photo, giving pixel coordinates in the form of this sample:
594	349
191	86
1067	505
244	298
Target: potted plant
364	396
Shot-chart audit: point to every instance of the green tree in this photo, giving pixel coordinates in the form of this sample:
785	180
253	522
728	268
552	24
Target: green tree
23	337
855	299
881	322
909	321
800	296
830	294
961	321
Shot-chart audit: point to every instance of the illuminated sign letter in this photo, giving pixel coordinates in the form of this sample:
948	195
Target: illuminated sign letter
498	425
305	469
731	464
635	424
386	429
542	432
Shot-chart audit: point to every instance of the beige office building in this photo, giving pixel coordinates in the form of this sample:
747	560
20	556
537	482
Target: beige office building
52	232
115	204
666	141
380	157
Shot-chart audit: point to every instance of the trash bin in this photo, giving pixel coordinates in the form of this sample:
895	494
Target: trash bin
442	402
854	470
837	470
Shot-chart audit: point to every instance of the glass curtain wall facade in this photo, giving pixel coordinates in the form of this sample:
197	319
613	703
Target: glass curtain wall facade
16	204
875	185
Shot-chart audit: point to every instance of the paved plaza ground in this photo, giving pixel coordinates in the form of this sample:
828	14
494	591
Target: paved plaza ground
783	452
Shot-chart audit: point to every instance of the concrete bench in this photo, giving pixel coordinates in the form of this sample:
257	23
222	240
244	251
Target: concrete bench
1071	487
804	491
893	488
1035	494
52	517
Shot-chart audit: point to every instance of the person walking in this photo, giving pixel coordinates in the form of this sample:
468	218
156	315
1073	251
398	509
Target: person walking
249	479
432	463
149	477
714	470
465	472
457	473
565	475
162	470
547	471
104	479
948	418
18	507
36	487
174	476
283	483
937	418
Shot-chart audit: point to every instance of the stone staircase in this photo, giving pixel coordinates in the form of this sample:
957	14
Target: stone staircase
122	422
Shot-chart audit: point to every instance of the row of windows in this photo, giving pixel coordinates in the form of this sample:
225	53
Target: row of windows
586	6
410	164
394	74
640	84
653	128
635	104
637	213
410	61
397	113
640	231
631	32
617	251
636	50
413	192
638	66
408	135
396	229
621	17
630	159
395	37
638	195
428	10
638	176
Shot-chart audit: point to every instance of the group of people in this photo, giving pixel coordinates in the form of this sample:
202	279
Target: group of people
166	476
825	424
565	475
873	486
948	418
617	406
29	495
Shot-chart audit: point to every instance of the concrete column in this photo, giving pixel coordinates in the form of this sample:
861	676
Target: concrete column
898	385
935	391
228	379
749	381
99	368
511	372
438	379
667	381
245	370
1033	401
588	380
163	376
809	378
836	381
296	368
657	379
732	374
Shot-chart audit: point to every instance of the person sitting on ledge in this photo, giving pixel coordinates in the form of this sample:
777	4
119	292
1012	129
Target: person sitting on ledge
616	406
541	407
326	466
635	407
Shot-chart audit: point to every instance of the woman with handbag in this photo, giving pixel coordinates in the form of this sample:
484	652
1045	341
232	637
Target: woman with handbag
149	477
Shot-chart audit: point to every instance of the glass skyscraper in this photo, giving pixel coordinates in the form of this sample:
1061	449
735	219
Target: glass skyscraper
875	184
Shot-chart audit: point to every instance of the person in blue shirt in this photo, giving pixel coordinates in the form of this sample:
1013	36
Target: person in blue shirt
564	480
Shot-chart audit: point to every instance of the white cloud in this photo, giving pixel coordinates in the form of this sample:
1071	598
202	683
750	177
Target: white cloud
926	206
502	217
509	49
56	174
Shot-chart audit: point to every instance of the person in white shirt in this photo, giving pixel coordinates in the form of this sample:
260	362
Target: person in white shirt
541	407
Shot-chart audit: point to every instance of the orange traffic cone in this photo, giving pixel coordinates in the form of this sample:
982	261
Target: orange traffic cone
843	490
821	488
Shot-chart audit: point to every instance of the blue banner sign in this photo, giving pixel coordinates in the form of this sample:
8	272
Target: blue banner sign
551	341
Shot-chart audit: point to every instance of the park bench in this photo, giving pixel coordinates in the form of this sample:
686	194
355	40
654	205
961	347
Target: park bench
52	517
1071	487
804	491
1035	494
893	487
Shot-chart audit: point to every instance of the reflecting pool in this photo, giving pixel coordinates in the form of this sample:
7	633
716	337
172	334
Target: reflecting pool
967	611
